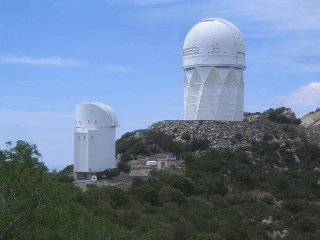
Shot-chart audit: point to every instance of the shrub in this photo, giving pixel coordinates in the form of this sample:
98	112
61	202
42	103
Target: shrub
125	157
209	236
305	224
148	194
267	136
238	136
199	144
182	183
169	194
186	136
124	167
111	172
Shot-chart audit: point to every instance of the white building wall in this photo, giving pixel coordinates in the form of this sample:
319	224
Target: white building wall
94	142
214	93
80	152
101	149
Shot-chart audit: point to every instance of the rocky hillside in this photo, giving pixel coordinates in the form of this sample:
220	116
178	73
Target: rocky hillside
311	119
239	134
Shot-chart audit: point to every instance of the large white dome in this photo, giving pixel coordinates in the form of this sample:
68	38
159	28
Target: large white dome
214	41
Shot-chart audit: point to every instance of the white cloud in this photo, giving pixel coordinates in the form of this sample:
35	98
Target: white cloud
54	61
277	15
304	99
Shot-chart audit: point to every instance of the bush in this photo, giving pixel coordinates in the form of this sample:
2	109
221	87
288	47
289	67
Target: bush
116	196
137	182
125	157
209	236
238	136
65	177
182	183
186	136
139	148
148	194
124	167
305	224
199	144
169	194
111	172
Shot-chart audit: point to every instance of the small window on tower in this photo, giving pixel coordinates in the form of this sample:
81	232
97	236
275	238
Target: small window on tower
88	121
80	122
84	137
76	122
78	137
95	121
91	137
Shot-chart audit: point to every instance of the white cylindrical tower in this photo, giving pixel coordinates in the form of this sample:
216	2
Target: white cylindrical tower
94	140
213	63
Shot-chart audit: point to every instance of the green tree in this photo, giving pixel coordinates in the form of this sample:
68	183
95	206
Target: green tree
124	167
182	183
199	144
305	224
209	236
111	172
170	194
33	205
139	148
24	188
148	194
126	156
213	185
186	136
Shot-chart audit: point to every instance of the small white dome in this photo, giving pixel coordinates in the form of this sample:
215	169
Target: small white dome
95	115
214	41
110	113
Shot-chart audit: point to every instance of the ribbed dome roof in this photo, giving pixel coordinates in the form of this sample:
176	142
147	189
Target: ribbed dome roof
110	112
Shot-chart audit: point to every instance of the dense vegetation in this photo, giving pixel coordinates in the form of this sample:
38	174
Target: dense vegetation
35	205
277	115
157	142
220	194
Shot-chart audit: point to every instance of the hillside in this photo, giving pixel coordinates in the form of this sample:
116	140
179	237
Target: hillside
233	135
311	119
258	179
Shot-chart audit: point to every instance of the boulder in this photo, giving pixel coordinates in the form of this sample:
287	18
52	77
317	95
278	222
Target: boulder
316	169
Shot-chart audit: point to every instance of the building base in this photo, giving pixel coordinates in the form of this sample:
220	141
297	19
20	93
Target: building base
83	175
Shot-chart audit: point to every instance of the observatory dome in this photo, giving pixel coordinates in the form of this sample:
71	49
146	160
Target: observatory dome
214	41
95	115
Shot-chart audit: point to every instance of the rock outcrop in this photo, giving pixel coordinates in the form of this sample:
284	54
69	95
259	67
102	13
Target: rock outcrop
311	119
233	135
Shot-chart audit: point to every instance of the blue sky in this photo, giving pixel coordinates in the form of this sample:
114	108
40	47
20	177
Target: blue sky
128	55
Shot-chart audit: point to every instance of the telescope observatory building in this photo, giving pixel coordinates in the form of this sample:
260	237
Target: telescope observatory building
94	139
213	63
